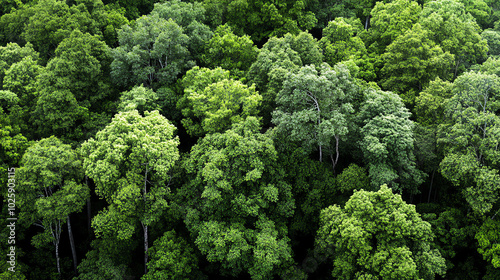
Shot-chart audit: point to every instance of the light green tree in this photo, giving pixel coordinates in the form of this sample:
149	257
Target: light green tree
129	161
213	103
152	52
229	51
455	31
172	258
376	235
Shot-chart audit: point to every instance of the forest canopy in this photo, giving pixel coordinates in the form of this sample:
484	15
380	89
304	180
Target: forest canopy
237	139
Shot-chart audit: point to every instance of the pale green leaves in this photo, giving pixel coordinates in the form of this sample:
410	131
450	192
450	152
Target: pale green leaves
128	155
212	102
378	236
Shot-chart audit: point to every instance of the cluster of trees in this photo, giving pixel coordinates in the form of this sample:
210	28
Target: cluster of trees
235	139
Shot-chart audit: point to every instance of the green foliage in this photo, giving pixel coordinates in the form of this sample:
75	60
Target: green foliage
261	19
49	179
339	42
129	161
493	39
488	236
107	260
431	103
172	258
13	53
389	21
213	103
229	51
189	16
353	178
455	30
387	142
314	108
237	201
378	236
152	52
412	61
139	98
74	91
327	10
471	139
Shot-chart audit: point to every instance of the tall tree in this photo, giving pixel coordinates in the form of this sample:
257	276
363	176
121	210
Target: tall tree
50	189
314	108
412	61
153	52
229	51
376	235
74	91
388	142
471	139
456	31
237	203
213	103
129	161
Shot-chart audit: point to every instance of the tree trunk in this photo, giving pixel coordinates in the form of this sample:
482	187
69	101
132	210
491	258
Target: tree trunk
320	154
145	227
72	243
430	189
57	258
366	22
146	246
89	211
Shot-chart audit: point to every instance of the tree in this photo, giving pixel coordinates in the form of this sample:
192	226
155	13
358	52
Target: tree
50	189
74	91
387	142
262	19
314	108
109	259
389	21
275	61
456	31
493	39
153	52
237	203
172	258
189	16
129	161
214	103
229	51
378	236
339	42
471	138
411	62
139	98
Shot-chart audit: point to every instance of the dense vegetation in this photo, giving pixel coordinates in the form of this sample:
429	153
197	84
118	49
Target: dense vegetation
237	139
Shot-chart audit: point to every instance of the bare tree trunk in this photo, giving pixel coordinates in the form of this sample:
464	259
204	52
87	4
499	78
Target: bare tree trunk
430	189
366	22
146	246
89	211
72	243
57	258
320	154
